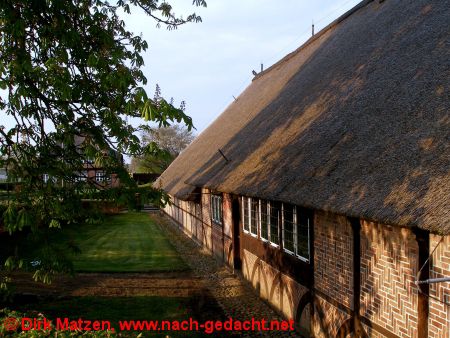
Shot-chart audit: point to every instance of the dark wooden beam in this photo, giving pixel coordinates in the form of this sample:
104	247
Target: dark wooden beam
311	269
356	227
423	241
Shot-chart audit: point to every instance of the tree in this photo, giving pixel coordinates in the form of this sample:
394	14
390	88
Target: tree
71	69
171	140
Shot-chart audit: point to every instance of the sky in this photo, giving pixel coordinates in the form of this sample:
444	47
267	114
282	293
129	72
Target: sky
207	63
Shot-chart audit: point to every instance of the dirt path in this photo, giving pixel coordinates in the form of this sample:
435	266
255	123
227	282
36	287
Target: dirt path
169	284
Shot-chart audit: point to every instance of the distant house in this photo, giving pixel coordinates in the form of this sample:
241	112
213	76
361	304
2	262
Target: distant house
98	174
92	172
327	182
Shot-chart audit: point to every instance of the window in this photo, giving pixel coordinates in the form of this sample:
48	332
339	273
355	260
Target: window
100	176
82	176
254	213
304	218
48	179
296	223
250	215
269	218
217	209
264	221
289	228
245	214
275	221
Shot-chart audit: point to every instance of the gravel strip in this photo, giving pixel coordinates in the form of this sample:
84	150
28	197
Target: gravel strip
235	296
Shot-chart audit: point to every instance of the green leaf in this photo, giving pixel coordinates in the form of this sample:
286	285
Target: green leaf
54	224
23	218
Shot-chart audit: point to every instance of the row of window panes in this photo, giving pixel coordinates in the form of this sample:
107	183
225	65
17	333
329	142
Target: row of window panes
100	176
217	209
271	217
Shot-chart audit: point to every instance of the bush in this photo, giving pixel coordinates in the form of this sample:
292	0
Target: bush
94	206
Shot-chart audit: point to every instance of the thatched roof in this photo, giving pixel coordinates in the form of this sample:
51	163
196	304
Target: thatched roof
356	121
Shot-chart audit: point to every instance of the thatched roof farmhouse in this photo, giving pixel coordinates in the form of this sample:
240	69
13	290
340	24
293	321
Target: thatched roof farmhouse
354	123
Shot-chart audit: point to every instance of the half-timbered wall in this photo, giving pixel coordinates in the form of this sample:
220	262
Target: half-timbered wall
324	295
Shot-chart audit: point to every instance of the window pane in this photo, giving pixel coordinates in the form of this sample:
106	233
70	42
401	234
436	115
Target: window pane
216	208
100	176
275	217
303	222
219	210
264	221
216	211
245	214
212	207
254	216
288	227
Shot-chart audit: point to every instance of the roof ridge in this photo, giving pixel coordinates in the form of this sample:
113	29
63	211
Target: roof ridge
316	36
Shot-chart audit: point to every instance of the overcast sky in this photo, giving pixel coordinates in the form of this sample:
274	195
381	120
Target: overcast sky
207	63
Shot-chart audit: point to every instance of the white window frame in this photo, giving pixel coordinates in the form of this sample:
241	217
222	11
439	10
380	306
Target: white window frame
296	241
217	209
294	227
295	237
213	208
101	176
250	199
269	214
260	222
245	200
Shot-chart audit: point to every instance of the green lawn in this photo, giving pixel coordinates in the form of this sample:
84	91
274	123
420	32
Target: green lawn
129	242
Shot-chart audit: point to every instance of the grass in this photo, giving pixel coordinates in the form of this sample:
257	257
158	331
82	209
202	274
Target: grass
129	242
